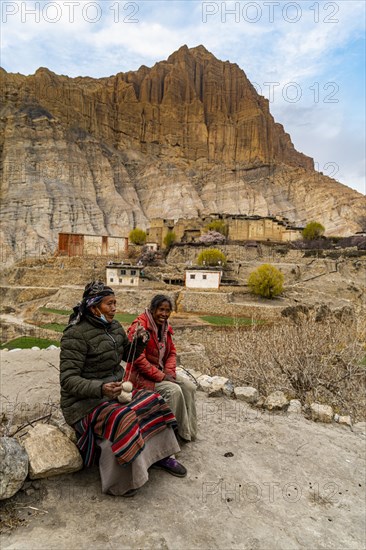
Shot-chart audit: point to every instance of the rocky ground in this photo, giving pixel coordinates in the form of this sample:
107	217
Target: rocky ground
256	480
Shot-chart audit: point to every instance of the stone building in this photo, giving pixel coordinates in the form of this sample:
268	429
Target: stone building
239	228
258	228
158	230
79	244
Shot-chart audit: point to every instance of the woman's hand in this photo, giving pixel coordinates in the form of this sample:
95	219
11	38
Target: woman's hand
142	334
112	389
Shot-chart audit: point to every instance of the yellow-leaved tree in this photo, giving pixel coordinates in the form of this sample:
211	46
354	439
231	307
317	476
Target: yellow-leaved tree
266	281
211	256
137	236
313	230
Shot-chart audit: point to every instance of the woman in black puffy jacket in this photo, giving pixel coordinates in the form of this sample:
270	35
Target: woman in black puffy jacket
92	348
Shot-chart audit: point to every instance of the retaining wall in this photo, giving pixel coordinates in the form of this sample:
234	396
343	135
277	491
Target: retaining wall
222	303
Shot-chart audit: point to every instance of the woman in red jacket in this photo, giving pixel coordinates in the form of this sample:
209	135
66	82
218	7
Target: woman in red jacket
155	368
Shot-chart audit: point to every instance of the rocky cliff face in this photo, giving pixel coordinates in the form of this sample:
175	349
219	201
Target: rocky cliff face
189	135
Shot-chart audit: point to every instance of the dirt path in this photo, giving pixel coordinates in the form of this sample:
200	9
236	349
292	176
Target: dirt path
255	481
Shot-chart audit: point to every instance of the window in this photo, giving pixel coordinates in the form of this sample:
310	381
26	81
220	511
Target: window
132	281
192	276
123	272
133	271
111	279
120	280
204	276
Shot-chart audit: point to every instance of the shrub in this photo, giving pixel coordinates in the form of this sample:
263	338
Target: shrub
212	237
137	236
313	230
311	361
211	256
219	226
266	281
169	239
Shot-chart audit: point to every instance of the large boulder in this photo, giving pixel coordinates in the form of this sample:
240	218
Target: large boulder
57	419
276	401
204	382
220	385
321	413
294	407
13	467
50	452
215	386
343	420
247	394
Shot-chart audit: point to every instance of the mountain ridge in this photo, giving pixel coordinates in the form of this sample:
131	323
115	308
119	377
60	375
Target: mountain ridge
189	135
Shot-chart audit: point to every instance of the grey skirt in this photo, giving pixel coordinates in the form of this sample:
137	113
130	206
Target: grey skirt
117	479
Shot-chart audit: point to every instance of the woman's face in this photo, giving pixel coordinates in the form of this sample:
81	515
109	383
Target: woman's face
162	313
107	307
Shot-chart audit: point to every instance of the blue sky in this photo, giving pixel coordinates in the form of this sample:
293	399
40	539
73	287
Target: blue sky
308	58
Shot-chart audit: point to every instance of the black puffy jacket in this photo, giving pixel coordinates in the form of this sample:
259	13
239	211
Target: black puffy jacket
91	353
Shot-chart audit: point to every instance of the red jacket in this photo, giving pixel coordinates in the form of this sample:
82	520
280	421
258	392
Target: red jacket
145	371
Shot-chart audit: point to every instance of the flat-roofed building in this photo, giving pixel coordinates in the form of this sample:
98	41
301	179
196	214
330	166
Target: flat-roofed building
122	274
203	277
151	246
80	244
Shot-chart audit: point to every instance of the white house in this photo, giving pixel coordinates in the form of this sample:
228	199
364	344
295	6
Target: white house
203	278
123	274
151	246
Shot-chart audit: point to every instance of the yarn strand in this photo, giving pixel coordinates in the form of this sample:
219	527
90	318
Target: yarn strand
132	350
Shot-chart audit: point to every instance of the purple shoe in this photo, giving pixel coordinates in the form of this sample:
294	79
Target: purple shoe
172	466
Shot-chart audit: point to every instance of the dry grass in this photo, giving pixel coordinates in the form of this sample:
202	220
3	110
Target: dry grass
311	361
9	517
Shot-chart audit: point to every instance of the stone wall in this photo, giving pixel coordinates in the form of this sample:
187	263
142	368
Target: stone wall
9	331
128	301
242	260
220	303
239	252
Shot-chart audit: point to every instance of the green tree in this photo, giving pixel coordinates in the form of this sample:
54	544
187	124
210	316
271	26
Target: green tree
313	230
137	236
211	256
219	226
169	239
266	281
